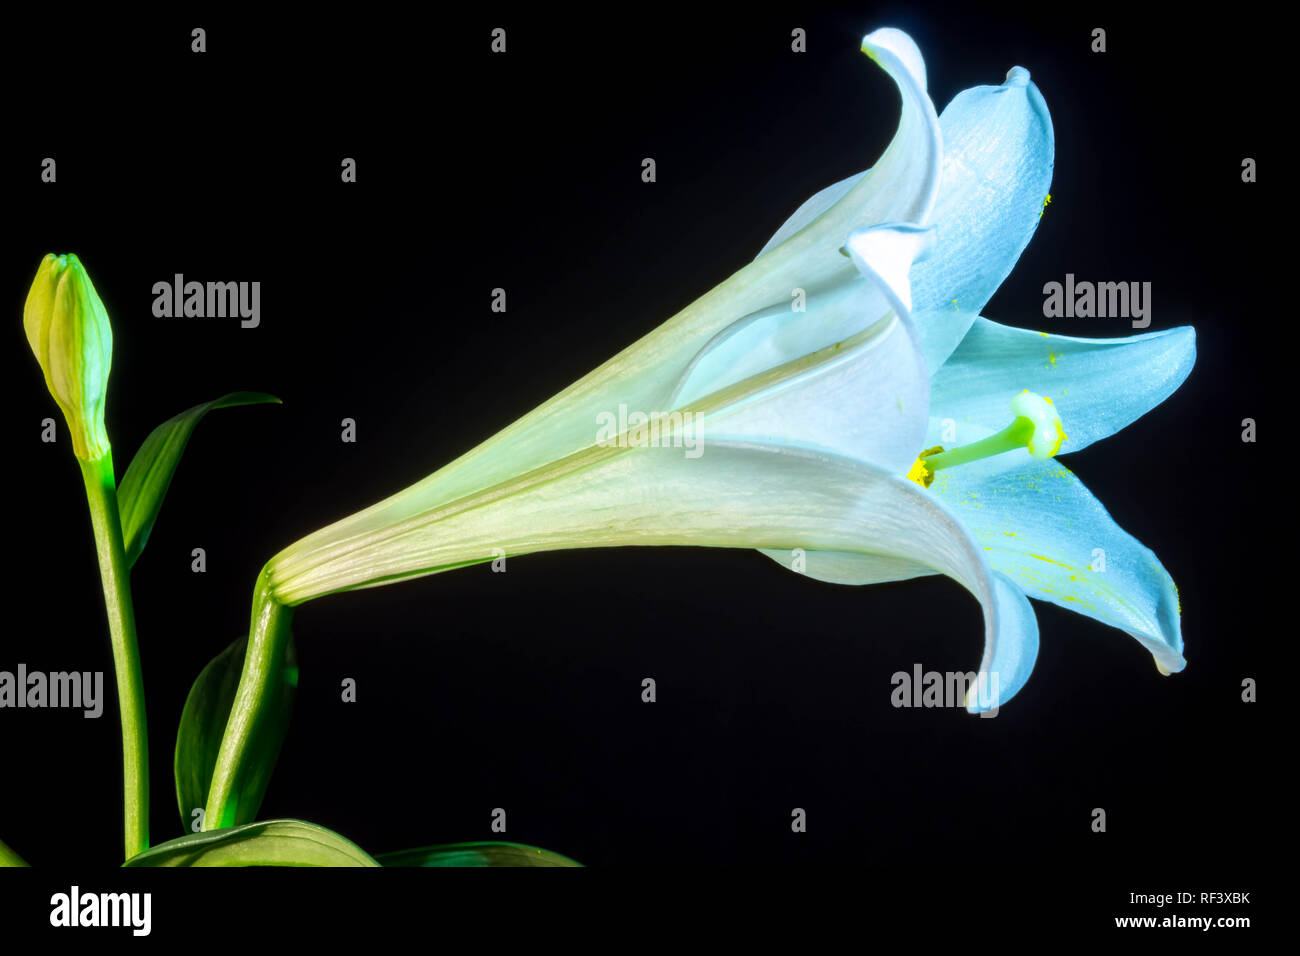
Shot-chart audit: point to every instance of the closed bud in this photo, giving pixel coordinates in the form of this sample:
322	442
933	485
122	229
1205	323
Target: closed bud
67	327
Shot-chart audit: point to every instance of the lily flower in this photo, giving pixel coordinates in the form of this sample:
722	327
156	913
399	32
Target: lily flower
744	421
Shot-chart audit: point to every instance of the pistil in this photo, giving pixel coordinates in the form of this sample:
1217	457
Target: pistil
1036	428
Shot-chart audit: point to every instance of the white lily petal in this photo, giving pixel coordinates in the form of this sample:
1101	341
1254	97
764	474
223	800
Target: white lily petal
736	495
811	210
778	335
904	185
837	567
646	375
1043	529
865	396
886	253
867	401
863	404
1098	385
880	386
997	168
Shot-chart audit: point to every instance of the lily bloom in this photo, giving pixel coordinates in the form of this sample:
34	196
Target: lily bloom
806	424
798	408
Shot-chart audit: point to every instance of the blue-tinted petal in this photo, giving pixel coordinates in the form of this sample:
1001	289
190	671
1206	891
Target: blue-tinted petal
997	168
1008	662
1045	531
1098	385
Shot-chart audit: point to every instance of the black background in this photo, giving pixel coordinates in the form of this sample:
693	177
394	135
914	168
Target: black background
522	690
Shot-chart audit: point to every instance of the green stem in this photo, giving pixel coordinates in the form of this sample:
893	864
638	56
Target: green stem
9	858
115	573
268	642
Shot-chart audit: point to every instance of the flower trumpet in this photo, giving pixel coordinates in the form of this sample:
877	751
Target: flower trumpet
805	405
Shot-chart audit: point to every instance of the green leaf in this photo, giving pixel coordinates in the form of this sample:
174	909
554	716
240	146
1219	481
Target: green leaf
9	858
143	487
476	854
203	721
268	843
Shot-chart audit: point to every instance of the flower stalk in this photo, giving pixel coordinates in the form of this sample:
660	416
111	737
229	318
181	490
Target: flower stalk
268	643
101	497
69	332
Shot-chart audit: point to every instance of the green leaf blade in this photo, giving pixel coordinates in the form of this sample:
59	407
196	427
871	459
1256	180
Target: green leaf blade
144	486
9	858
266	843
203	722
475	854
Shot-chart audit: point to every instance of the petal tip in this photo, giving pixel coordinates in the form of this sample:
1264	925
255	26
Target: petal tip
1170	665
974	706
1017	76
891	41
885	254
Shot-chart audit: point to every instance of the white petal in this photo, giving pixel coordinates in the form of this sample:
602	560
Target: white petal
865	395
904	185
811	210
750	496
776	336
886	253
837	567
869	403
646	375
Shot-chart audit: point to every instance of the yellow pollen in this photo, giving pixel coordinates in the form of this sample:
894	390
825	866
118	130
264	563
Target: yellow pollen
920	472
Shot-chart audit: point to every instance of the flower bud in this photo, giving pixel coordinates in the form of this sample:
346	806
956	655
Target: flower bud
67	327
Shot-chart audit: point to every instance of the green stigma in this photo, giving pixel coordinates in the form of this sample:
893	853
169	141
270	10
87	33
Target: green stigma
1036	428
